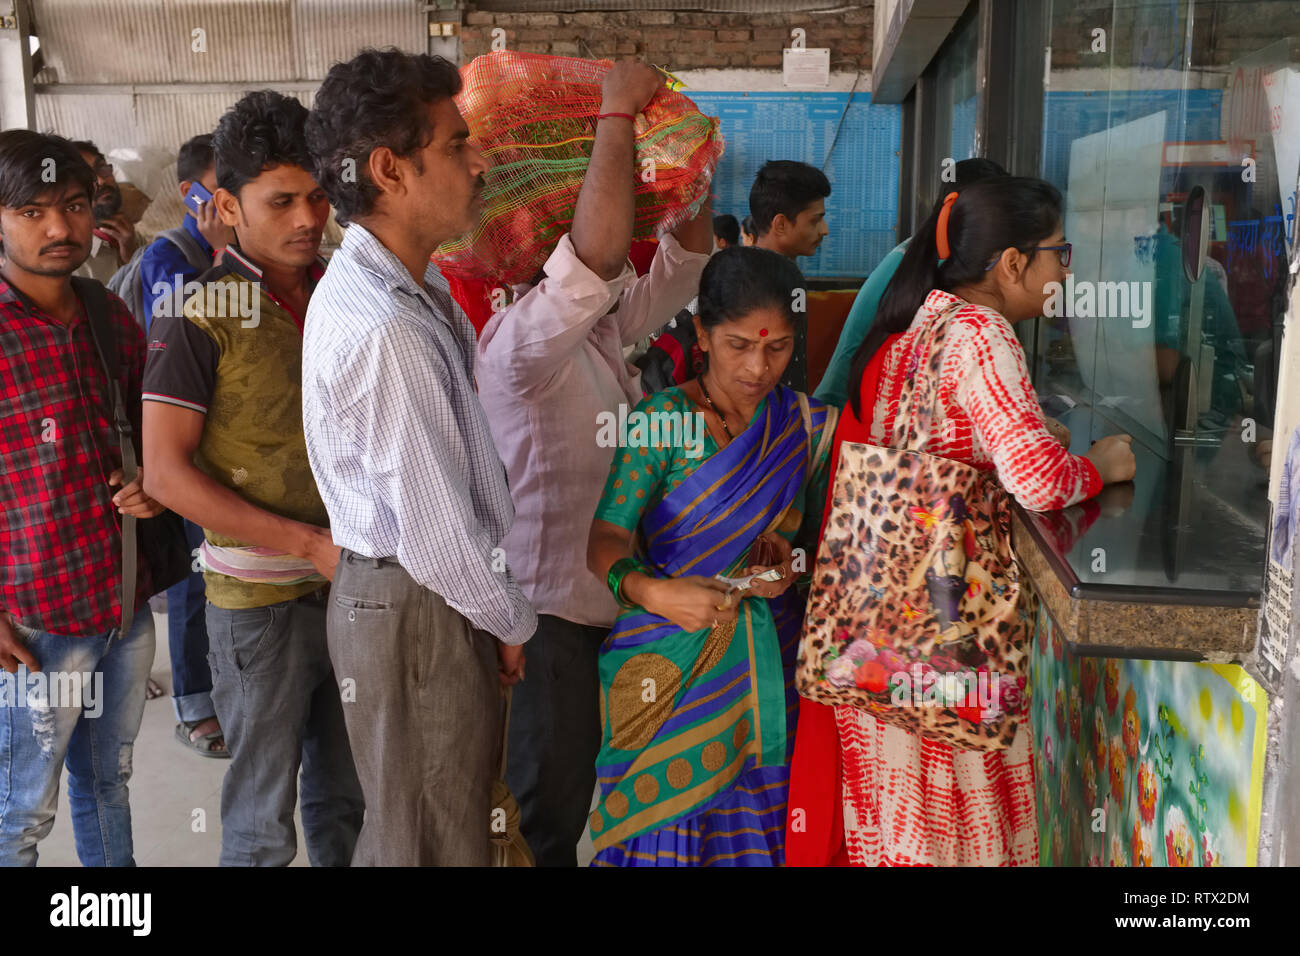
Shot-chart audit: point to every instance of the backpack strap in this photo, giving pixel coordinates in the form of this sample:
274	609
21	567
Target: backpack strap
95	298
180	238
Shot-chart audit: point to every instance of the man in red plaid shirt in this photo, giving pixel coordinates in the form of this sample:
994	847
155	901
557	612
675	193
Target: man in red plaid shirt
72	687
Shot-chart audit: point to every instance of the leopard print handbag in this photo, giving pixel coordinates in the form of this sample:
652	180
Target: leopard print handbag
916	614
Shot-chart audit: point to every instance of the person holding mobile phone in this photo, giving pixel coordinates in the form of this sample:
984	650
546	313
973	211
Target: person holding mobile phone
181	255
694	537
114	238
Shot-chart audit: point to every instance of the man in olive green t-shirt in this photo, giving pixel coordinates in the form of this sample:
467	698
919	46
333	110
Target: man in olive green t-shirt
224	447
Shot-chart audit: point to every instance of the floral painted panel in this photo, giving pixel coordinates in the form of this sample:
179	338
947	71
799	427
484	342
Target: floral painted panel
1144	763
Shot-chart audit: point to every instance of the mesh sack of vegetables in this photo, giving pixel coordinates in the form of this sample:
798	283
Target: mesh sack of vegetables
534	119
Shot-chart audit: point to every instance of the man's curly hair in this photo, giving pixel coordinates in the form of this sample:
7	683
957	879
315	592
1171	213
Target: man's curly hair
378	98
263	130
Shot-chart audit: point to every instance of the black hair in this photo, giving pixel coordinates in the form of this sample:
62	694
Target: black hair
26	173
86	146
971	171
739	279
747	226
988	217
378	98
968	172
194	159
264	129
787	187
727	229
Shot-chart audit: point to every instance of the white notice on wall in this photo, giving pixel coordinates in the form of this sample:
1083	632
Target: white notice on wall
807	69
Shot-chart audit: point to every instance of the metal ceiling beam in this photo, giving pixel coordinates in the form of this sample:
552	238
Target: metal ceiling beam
17	96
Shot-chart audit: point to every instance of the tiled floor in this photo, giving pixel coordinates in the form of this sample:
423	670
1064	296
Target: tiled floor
175	793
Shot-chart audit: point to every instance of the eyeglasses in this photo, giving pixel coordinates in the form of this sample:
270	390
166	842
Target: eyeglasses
1065	251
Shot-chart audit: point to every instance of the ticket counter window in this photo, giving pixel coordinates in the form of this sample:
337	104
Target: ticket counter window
1147	101
1172	128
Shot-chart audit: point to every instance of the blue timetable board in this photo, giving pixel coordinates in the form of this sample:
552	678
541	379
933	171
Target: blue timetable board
862	211
1070	114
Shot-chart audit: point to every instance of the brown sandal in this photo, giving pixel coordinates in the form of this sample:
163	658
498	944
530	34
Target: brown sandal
204	745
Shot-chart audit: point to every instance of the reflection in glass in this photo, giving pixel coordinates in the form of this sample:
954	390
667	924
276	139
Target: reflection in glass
1149	102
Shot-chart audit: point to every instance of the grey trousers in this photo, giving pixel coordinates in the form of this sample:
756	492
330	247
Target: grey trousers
425	723
278	704
555	737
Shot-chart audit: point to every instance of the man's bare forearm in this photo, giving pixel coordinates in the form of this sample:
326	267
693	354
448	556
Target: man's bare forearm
194	495
602	220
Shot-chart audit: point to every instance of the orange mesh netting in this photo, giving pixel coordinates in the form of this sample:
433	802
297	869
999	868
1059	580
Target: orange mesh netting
534	119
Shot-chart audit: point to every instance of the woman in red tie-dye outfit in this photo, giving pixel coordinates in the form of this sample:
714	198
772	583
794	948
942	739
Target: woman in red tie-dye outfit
873	793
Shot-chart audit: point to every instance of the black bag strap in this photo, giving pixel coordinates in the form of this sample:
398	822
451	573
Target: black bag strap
95	298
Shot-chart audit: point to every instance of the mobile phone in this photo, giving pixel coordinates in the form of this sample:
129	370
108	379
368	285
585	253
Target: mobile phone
196	196
747	582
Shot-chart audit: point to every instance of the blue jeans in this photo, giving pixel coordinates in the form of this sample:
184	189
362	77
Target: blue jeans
187	641
280	710
83	708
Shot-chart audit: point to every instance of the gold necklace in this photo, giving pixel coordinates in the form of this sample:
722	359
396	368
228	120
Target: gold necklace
708	401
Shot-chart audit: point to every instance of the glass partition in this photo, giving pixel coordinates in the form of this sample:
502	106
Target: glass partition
1146	101
955	95
1172	128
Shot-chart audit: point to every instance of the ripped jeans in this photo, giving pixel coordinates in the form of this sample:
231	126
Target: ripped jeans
83	708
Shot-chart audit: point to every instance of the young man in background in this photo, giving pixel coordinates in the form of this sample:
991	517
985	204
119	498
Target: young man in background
788	206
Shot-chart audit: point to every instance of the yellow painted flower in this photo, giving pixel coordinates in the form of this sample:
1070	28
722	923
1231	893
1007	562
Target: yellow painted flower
1118	855
1089	782
1111	685
1141	846
1130	726
1118	764
1179	846
1147	791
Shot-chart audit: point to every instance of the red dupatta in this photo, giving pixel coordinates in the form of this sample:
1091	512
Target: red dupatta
815	806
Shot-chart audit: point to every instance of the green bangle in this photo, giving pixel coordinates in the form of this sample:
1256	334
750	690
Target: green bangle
617	572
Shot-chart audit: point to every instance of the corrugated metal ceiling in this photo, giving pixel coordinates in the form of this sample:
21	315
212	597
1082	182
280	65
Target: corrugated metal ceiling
715	6
258	41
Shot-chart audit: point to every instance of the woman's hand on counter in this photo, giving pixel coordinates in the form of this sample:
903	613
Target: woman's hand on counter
1113	500
1113	458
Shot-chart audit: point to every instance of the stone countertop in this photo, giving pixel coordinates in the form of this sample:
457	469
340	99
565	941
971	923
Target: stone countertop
1121	620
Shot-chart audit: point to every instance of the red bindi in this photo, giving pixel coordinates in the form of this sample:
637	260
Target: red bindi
762	333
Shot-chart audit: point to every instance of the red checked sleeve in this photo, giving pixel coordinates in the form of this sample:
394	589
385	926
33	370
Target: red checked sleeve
997	396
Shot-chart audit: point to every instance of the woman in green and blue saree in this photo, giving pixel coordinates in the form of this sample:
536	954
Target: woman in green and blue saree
697	694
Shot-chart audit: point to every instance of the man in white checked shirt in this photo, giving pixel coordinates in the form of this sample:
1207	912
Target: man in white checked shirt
424	616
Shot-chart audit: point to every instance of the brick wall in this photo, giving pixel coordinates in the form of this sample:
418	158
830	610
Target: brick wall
677	41
1221	33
